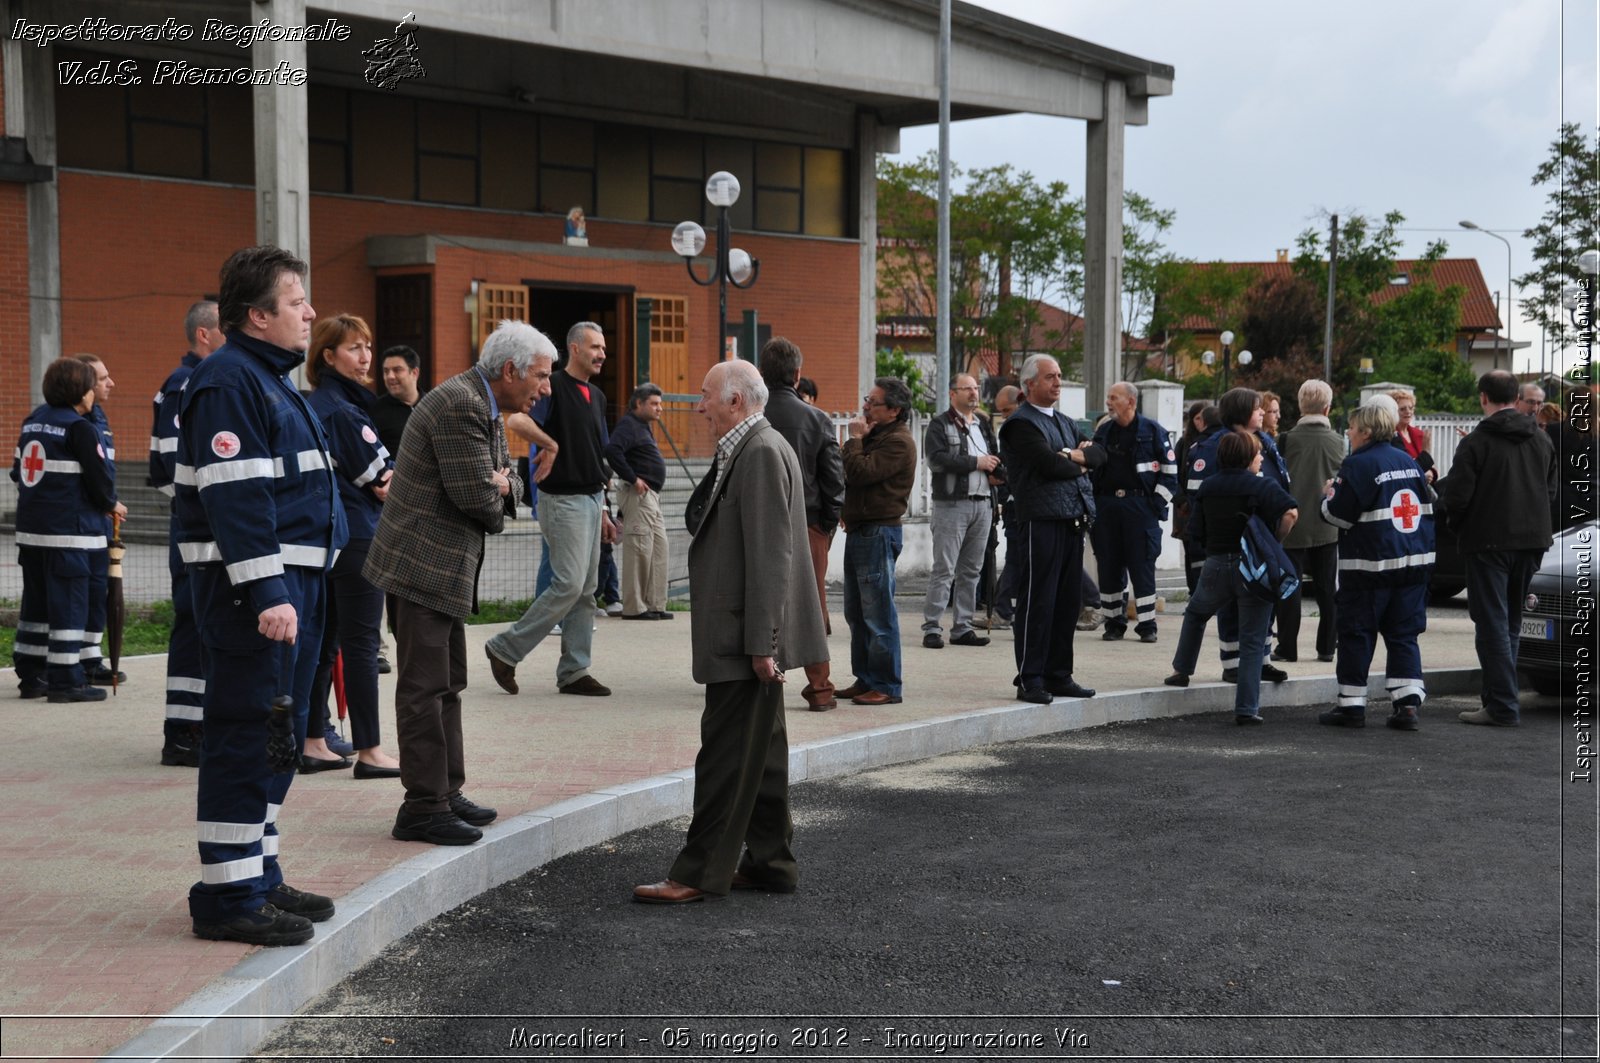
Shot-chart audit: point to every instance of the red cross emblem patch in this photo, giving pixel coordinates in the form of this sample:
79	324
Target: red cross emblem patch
1405	509
225	444
32	463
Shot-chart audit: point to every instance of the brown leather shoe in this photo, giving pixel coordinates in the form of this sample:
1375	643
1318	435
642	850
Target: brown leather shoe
504	674
852	690
588	686
875	697
668	892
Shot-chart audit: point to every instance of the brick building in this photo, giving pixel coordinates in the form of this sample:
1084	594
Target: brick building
135	158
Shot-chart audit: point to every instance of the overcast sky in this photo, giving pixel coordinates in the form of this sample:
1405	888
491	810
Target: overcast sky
1284	111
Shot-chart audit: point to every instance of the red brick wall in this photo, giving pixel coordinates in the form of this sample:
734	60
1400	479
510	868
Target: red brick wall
16	387
135	253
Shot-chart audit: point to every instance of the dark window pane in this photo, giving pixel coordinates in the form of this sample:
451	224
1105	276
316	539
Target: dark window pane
676	201
623	174
230	128
328	172
510	160
566	141
778	212
92	128
561	190
443	179
449	128
777	165
382	145
326	112
164	101
168	150
678	155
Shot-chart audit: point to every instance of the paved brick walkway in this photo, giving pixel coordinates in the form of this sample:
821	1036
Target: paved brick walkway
97	840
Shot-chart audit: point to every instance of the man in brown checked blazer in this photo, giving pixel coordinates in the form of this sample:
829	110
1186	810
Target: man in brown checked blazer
453	484
752	615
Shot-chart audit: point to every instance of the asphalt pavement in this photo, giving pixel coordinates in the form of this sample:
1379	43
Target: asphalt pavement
1169	888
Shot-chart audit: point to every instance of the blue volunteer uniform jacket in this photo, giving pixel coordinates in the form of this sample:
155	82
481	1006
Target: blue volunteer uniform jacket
1384	508
61	505
360	460
254	501
164	426
108	449
1154	460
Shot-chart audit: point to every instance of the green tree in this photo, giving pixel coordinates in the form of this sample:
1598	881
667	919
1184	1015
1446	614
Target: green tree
900	365
1570	225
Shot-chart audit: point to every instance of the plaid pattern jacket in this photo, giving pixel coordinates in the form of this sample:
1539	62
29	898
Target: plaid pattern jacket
442	501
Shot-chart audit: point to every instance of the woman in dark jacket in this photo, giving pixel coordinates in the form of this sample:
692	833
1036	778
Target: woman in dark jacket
338	367
1195	425
1217	516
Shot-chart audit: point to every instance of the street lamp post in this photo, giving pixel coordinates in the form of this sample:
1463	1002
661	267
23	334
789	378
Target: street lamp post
1210	357
1509	294
733	266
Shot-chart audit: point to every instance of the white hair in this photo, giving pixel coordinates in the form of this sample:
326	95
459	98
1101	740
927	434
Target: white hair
1031	367
516	342
742	378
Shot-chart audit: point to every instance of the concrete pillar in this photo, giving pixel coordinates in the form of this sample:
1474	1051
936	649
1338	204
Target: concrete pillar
1102	257
870	139
30	113
283	158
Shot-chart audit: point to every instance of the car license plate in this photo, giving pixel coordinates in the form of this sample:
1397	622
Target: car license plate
1538	629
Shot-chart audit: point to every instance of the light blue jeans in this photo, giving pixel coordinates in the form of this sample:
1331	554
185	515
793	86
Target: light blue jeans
571	526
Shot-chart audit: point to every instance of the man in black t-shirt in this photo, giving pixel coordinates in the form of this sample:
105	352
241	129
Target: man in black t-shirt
569	428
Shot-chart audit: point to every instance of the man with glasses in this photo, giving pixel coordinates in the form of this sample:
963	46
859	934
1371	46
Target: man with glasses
880	466
1529	398
963	459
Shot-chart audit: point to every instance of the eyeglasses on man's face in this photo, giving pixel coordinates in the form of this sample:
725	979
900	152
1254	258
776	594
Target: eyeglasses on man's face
869	401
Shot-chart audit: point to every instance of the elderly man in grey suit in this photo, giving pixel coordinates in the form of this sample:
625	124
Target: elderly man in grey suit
453	484
753	614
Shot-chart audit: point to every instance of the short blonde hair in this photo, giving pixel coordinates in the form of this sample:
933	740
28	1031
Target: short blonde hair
1377	419
1315	397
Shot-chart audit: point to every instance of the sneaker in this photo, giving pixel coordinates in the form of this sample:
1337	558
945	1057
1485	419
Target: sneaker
1342	718
72	695
933	641
312	906
1088	619
613	609
264	926
1404	718
470	812
438	828
336	742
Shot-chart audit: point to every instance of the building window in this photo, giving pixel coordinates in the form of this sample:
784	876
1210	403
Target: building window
404	148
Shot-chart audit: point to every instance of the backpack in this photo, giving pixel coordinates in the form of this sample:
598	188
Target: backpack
1264	569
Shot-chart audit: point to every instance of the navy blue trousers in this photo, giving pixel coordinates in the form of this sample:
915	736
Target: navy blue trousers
239	795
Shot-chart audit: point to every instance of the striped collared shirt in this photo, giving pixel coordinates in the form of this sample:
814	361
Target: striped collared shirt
726	444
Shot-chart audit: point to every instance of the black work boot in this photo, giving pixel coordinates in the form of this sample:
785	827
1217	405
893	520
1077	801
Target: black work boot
182	746
264	926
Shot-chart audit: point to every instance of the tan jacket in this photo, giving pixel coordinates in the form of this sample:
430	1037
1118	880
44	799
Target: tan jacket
443	501
750	566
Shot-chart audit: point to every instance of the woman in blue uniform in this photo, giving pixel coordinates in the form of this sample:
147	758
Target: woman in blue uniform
64	497
1382	504
1221	507
339	367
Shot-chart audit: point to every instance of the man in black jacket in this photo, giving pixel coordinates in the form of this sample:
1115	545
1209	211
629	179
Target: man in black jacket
810	432
963	459
1497	502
